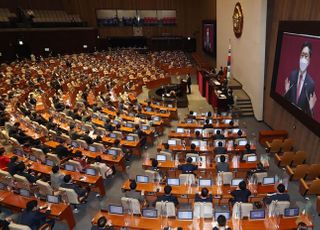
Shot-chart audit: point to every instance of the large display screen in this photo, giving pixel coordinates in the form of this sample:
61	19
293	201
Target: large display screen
296	76
208	37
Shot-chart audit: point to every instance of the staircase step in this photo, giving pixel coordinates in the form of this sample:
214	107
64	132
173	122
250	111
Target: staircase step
246	110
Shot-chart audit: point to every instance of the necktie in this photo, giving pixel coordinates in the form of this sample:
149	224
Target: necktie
298	88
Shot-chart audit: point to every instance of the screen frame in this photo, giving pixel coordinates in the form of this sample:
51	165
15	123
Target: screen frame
299	27
213	22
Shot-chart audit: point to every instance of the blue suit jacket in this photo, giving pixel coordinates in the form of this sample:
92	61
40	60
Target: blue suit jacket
306	91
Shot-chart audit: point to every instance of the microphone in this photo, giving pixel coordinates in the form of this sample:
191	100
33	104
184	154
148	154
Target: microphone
290	88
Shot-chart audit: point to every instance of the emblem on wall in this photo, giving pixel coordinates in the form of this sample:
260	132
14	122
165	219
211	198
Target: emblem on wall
237	19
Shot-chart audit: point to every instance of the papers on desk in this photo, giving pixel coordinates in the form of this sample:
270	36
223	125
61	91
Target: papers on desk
222	96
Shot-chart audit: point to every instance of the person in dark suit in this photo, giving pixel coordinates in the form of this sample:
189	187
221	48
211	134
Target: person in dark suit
207	125
220	149
300	87
103	224
241	194
189	83
70	185
258	169
279	196
188	168
222	166
218	135
168	196
204	196
33	218
87	138
12	166
222	223
21	171
62	152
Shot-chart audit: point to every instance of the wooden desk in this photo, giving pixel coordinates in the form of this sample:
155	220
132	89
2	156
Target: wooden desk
133	145
269	135
16	202
200	126
185	135
190	191
138	222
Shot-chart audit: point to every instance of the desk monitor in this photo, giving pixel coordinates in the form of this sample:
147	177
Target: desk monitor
257	214
69	167
189	121
252	158
196	142
224	114
194	114
145	127
91	171
49	162
226	214
148	109
129	125
210	121
19	152
235	182
205	182
170	106
116	209
185	215
84	128
149	212
116	122
268	180
142	179
92	148
113	135
291	212
161	157
2	186
32	158
112	152
53	199
173	181
180	130
74	144
227	121
216	143
172	142
235	130
130	138
24	192
242	141
156	118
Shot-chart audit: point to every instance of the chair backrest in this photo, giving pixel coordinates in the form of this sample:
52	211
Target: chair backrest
314	188
44	188
299	158
275	145
208	131
245	209
76	164
14	226
260	176
153	175
313	171
188	179
54	158
300	171
99	147
66	138
22	182
227	177
82	143
167	154
202	210
165	208
287	145
39	154
131	205
287	158
70	195
278	207
14	141
6	178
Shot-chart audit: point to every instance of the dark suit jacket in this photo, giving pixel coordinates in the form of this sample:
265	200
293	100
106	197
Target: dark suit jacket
218	136
187	168
168	198
208	126
80	191
278	197
240	195
220	150
306	91
33	219
222	167
199	199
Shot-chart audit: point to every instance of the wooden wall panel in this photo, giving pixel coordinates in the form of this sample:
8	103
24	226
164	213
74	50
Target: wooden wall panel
274	115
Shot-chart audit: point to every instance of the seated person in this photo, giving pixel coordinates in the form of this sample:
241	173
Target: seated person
56	178
222	166
21	171
4	160
241	194
207	125
218	135
193	148
133	193
62	152
105	169
87	138
247	149
279	196
167	148
222	223
188	168
198	135
258	169
168	196
190	115
103	224
155	168
79	157
220	149
204	196
12	166
67	183
33	218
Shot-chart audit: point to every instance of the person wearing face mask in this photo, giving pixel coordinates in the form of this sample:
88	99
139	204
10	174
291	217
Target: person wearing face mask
299	87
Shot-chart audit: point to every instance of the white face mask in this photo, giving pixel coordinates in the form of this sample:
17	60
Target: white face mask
303	64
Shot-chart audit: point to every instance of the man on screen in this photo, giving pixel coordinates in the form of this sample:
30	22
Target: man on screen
299	88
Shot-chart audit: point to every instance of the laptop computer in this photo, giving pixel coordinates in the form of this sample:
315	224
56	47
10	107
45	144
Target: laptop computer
180	130
49	162
53	199
32	158
113	135
268	180
92	148
226	214
173	181
74	144
115	209
142	179
149	212
161	157
91	172
291	212
130	138
145	127
112	152
235	182
24	192
257	214
172	142
194	159
205	182
196	142
252	158
69	167
185	215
